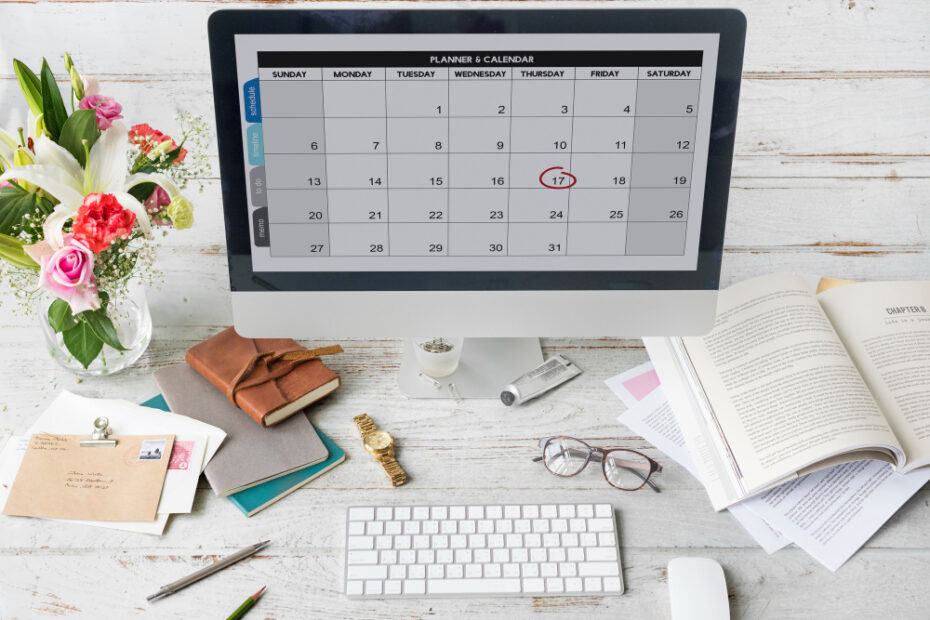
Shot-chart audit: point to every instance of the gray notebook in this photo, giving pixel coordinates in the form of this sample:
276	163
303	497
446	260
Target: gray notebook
251	453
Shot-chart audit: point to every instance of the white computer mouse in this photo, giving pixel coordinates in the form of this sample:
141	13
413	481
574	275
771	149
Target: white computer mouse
697	590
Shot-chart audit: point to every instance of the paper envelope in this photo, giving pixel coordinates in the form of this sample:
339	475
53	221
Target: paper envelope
60	479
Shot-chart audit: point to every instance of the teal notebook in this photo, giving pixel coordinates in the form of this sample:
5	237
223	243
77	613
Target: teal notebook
261	496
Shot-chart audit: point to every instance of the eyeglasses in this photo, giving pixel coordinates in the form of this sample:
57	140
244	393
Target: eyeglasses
627	470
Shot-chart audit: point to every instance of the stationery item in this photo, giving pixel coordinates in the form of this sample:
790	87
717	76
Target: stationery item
552	373
60	480
262	496
624	469
98	438
789	383
246	605
195	441
206	571
651	417
380	445
270	379
251	454
697	590
582	561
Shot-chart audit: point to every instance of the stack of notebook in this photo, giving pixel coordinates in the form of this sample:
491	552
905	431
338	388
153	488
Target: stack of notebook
256	465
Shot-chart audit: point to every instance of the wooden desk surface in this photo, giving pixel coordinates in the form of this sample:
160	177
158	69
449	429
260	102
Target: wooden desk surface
831	176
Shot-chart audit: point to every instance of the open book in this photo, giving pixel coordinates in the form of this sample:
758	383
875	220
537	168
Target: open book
789	382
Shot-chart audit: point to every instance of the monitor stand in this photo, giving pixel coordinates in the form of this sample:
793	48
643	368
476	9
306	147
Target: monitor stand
487	365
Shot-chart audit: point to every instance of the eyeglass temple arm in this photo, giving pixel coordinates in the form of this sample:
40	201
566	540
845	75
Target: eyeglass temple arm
597	457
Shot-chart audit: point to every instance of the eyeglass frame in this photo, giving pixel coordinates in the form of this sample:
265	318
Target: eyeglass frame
654	466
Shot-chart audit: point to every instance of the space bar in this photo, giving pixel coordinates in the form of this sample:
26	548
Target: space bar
473	586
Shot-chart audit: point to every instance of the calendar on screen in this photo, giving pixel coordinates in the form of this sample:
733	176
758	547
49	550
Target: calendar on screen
475	152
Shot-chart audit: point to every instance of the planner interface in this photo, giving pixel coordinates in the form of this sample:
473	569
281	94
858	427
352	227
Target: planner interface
517	152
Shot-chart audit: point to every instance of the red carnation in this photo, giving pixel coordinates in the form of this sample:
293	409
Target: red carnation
147	138
100	220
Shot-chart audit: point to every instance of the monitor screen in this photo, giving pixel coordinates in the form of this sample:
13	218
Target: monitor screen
515	152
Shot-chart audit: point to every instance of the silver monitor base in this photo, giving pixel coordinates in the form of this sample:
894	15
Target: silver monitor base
487	365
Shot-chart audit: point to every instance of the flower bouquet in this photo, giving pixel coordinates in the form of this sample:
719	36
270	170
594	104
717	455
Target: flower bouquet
80	196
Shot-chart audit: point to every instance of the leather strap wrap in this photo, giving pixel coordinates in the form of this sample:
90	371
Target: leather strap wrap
283	362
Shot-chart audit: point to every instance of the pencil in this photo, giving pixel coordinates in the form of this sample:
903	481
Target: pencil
246	606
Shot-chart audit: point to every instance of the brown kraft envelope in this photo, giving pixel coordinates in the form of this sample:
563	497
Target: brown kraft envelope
59	479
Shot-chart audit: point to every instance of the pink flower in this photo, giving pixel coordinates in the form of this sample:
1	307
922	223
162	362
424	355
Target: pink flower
106	108
100	220
67	273
155	206
5	184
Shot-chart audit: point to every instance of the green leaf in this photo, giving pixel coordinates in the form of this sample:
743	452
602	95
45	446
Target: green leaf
83	343
52	105
102	327
15	203
80	126
30	85
11	250
60	317
142	191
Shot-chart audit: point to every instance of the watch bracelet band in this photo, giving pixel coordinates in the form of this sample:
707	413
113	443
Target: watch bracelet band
395	472
365	424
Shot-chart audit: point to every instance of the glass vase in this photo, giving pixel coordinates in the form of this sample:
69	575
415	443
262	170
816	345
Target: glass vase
129	313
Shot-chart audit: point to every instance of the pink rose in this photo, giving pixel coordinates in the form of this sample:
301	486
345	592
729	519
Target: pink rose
106	108
67	273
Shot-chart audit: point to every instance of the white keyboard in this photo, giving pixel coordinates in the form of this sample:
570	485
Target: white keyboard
458	551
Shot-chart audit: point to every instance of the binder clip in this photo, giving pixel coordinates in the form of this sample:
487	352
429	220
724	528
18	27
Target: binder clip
99	436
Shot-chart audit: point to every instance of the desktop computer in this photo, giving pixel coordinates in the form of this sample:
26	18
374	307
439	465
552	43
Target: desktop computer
489	173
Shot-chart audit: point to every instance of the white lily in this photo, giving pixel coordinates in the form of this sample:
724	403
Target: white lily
8	146
58	173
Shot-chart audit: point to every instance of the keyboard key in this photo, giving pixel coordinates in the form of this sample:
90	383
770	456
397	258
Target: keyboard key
598	569
430	527
416	571
600	525
554	584
385	513
439	512
500	556
573	585
426	556
354	588
374	528
592	584
577	525
588	540
474	586
585	510
463	556
477	541
494	512
421	513
511	570
514	540
575	555
402	513
492	570
567	511
538	555
398	571
467	527
607	539
435	571
449	527
482	556
568	569
440	541
454	571
411	527
393	528
511	512
357	528
383	542
415	587
503	526
550	540
485	526
560	525
392	587
602	554
530	570
532	540
534	585
523	526
540	525
557	554
363	557
476	512
612	584
421	541
444	556
473	571
548	512
402	542
521	555
495	541
459	541
361	542
603	510
372	587
531	512
548	569
457	512
389	557
361	514
407	557
374	571
569	540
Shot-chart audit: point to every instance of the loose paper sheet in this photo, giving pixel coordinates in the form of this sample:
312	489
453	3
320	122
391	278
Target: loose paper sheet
59	479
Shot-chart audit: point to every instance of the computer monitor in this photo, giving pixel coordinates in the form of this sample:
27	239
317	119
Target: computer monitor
480	172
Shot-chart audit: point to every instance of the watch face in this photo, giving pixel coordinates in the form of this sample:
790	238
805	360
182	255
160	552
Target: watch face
378	440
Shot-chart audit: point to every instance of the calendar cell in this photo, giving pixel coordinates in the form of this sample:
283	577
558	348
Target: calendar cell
476	98
602	135
357	171
477	240
538	205
656	239
291	99
358	239
601	170
297	206
540	135
418	135
300	239
665	135
428	99
357	205
659	205
587	239
293	135
598	205
419	239
478	205
418	205
669	170
295	171
543	98
356	135
525	170
478	171
354	99
479	135
605	97
419	171
536	239
667	97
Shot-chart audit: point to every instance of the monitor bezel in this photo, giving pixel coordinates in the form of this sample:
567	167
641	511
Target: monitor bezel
223	25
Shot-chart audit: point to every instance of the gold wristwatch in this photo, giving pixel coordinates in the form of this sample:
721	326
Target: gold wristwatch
380	445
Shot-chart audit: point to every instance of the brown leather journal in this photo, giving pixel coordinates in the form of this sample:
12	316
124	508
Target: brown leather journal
268	378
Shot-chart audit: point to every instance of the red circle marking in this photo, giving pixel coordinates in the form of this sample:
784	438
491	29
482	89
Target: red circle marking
564	173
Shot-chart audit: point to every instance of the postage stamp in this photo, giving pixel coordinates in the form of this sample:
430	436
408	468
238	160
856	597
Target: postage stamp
152	450
181	455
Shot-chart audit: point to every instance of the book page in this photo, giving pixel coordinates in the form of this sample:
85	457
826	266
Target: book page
886	329
783	391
